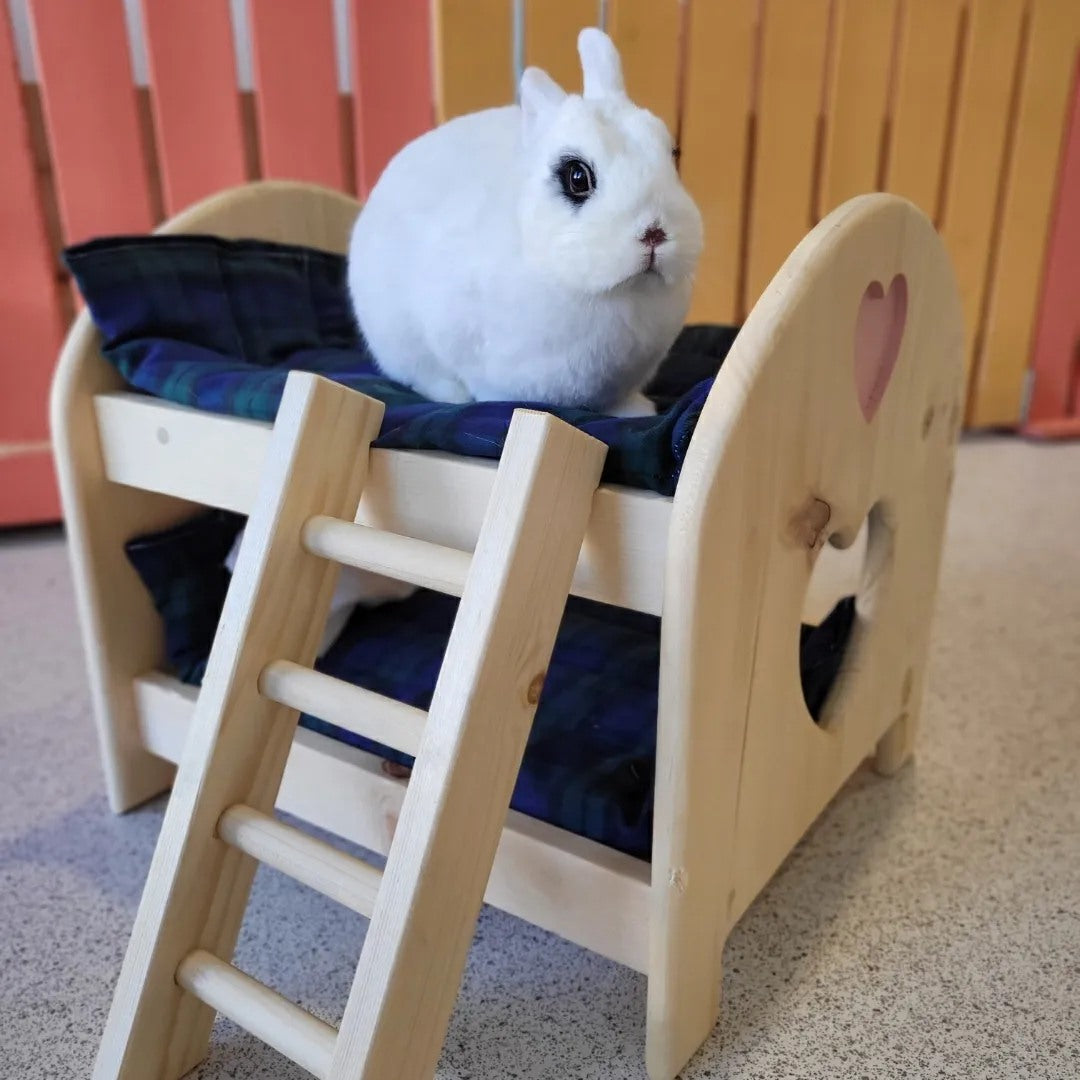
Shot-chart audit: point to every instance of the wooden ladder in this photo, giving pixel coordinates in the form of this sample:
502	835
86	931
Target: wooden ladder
468	749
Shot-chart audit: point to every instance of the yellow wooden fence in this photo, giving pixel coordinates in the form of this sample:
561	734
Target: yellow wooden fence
785	108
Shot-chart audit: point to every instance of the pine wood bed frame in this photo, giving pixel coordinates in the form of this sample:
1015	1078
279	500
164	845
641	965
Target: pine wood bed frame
797	445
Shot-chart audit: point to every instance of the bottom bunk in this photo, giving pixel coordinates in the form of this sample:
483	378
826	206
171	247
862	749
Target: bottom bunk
583	891
590	762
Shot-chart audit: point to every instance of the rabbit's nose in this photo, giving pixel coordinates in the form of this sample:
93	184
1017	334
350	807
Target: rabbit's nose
654	235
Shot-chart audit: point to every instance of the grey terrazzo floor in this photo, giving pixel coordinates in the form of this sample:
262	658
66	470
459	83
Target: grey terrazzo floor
928	926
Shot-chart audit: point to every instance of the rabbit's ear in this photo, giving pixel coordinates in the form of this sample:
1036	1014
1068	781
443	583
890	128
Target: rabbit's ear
540	96
600	64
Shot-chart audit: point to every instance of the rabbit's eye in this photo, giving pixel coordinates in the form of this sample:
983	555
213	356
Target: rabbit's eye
577	179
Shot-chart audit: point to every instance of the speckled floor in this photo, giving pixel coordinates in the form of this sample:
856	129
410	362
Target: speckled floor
928	926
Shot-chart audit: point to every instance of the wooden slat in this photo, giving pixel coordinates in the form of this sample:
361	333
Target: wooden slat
474	66
307	859
196	102
551	30
925	68
978	150
646	33
91	116
279	1023
392	95
862	49
1056	356
30	321
715	143
297	99
1027	212
789	100
353	708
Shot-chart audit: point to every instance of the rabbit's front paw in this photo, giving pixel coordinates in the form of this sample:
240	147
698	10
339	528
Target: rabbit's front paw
636	404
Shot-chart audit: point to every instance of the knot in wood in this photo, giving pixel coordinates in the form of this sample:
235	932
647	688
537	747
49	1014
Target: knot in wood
532	695
808	524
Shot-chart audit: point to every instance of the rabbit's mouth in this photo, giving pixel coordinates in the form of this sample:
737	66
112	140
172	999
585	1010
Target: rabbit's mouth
648	277
649	271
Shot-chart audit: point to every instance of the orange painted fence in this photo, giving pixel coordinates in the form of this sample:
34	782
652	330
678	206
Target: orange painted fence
783	109
1055	371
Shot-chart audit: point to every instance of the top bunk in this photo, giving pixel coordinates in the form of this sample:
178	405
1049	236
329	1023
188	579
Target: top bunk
200	315
216	461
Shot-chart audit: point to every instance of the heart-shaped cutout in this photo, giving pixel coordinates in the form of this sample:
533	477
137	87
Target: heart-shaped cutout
879	329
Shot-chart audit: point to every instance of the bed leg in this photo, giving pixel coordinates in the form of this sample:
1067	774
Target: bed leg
680	1020
895	747
897	744
693	891
122	634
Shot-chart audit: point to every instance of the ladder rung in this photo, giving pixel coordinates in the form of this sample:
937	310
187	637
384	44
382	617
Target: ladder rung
264	1012
353	708
344	878
403	558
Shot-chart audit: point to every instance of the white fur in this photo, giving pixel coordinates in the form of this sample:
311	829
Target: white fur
354	588
474	278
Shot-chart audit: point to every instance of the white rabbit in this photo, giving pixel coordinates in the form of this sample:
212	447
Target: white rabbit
542	253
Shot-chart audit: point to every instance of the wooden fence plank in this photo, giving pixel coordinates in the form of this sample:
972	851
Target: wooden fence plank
474	65
392	81
1056	356
28	493
30	319
30	322
647	35
925	68
715	142
91	117
1054	36
978	149
200	138
551	30
297	98
862	51
789	102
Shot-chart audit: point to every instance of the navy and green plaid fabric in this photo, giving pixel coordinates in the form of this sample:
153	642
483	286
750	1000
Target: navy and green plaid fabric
590	759
218	325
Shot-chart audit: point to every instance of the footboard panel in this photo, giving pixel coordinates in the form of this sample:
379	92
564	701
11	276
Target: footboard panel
839	404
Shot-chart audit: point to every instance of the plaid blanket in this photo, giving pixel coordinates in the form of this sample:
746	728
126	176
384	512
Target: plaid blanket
218	324
590	759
